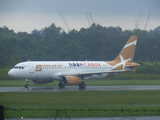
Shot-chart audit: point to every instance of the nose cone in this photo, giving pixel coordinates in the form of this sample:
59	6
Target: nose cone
10	73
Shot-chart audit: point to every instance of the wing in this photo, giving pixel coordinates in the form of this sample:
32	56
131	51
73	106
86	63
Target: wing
90	73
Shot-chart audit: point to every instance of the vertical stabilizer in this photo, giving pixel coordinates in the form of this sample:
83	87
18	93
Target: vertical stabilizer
128	50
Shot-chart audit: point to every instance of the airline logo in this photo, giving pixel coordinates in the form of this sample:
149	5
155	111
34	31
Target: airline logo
123	62
84	64
39	67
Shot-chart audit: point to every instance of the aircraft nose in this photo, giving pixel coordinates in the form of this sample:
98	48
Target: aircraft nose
10	73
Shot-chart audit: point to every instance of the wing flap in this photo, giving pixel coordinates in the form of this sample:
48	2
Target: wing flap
89	73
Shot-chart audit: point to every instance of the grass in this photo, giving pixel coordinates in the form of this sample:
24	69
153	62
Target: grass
104	82
109	103
4	74
121	82
104	100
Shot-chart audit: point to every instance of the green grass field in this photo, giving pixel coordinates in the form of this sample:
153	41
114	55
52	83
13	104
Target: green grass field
104	100
110	103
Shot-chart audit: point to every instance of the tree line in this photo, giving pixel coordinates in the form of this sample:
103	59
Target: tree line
96	43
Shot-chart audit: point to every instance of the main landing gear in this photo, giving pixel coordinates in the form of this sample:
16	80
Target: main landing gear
82	85
61	85
27	85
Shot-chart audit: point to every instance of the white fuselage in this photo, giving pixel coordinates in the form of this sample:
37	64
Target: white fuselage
50	70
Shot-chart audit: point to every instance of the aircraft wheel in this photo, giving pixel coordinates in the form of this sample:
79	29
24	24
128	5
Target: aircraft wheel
82	85
26	86
61	85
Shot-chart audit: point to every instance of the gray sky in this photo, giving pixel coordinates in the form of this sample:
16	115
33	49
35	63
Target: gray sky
27	15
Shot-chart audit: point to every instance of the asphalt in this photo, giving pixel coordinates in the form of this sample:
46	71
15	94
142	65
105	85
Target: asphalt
76	88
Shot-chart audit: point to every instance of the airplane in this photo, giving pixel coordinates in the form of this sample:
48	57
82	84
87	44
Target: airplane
76	72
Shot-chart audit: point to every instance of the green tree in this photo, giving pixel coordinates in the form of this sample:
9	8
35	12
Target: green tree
15	58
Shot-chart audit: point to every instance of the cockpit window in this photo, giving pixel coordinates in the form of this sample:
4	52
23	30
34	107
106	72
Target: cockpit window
15	67
18	67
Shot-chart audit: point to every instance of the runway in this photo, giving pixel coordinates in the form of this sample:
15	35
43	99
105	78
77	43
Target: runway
76	88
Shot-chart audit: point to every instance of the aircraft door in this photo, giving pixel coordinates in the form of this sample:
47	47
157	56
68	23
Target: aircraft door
31	68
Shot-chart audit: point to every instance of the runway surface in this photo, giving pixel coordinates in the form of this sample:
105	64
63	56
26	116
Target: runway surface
76	88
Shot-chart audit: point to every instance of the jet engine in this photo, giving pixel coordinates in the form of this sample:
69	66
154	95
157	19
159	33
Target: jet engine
42	81
71	80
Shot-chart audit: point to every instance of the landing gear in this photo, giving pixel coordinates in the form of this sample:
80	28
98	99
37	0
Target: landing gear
61	85
82	85
27	85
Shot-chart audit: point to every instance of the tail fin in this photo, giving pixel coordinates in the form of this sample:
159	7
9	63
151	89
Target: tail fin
128	50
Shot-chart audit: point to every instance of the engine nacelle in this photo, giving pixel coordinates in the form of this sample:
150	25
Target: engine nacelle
42	81
71	80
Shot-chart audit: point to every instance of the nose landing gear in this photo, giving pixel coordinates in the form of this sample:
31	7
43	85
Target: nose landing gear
27	85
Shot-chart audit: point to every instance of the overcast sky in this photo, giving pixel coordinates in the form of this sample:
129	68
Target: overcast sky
27	15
